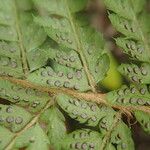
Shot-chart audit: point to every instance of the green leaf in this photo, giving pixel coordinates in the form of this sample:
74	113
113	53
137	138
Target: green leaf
117	134
144	120
61	55
33	138
56	126
136	74
130	18
130	96
23	128
52	47
25	97
126	27
135	50
13	117
18	38
72	31
83	139
121	136
3	140
106	121
85	112
126	8
60	76
74	6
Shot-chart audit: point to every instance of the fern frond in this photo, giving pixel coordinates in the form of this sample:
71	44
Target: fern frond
11	117
5	141
21	96
51	61
118	133
130	19
33	138
144	120
18	40
56	128
83	111
65	27
60	76
83	139
136	73
23	128
133	95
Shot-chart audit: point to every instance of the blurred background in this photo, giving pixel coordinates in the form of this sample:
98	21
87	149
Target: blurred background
99	19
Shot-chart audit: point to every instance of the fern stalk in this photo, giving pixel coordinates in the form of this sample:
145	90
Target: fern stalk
20	41
98	98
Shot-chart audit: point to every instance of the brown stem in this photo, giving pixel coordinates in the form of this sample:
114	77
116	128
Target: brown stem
98	98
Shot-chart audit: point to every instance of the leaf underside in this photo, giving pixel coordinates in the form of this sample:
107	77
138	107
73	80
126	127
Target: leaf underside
130	18
49	55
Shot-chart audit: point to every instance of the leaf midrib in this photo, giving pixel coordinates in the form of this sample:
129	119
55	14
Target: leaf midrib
20	41
80	50
92	97
98	98
107	136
